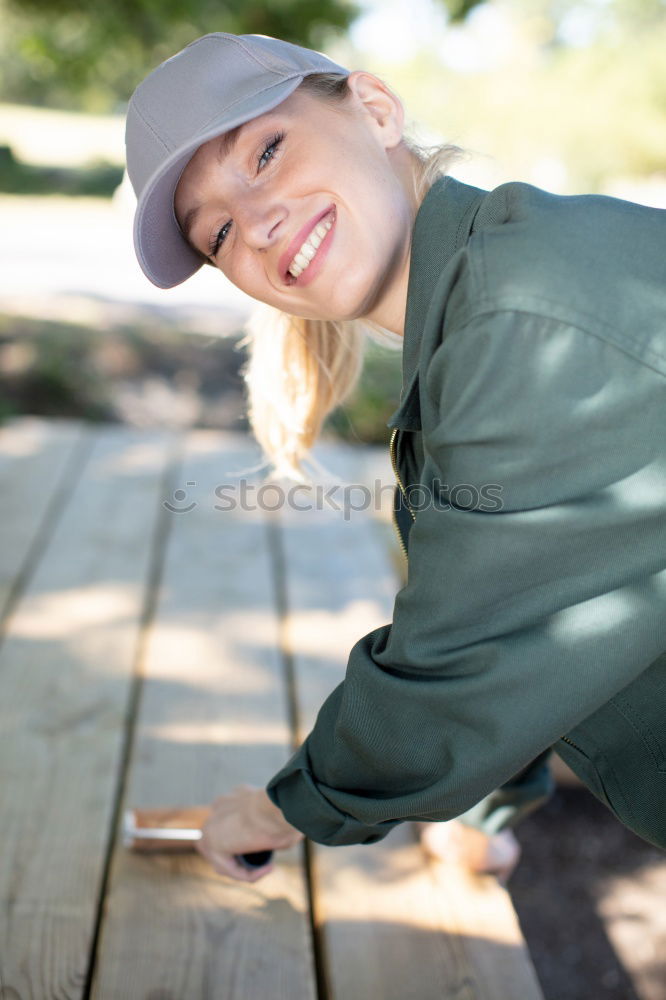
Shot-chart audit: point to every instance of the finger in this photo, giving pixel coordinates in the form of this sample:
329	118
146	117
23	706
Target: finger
221	802
253	874
226	864
258	873
214	858
202	848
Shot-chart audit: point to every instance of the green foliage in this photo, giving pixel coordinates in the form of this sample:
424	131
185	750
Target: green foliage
634	13
362	419
16	177
458	10
595	112
67	53
54	368
90	55
49	371
115	372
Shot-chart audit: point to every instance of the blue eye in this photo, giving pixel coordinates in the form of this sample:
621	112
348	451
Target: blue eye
218	239
269	150
267	154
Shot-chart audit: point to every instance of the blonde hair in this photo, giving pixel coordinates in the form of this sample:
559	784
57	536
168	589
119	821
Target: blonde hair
299	370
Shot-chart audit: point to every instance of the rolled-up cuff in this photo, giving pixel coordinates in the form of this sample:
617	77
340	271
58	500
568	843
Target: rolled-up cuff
304	804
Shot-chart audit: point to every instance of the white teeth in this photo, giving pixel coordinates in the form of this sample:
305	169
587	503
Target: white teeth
309	248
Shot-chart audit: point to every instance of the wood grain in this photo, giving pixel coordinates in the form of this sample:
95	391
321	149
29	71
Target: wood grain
65	675
157	646
212	714
393	925
39	462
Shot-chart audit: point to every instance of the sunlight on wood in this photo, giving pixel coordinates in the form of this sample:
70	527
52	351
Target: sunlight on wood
198	651
322	633
242	733
188	607
467	902
139	457
397	885
63	614
30	435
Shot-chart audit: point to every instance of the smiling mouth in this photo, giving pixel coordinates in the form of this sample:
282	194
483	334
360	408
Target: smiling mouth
309	248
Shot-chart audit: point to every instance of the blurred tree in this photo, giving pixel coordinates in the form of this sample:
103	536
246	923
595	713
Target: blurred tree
576	102
607	17
641	11
81	54
459	9
635	13
90	53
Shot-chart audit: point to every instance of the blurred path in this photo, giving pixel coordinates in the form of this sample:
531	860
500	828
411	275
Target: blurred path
72	258
66	257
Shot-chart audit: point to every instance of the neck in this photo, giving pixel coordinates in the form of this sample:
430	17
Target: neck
389	312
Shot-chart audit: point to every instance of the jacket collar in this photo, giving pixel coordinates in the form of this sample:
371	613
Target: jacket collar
442	226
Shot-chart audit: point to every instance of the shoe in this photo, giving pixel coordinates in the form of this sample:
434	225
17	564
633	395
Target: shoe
488	854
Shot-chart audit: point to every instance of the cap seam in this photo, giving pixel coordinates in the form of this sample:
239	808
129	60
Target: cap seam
239	100
153	125
149	122
272	67
264	59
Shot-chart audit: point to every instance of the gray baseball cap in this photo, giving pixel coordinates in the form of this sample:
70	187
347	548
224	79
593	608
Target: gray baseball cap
213	85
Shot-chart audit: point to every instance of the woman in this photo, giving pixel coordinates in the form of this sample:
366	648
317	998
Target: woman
528	445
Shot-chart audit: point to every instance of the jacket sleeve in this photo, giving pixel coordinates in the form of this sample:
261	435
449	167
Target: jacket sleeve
518	619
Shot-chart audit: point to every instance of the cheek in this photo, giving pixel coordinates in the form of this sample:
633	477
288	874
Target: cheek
249	277
241	270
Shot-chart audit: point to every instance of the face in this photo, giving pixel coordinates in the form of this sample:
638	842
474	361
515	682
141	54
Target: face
310	209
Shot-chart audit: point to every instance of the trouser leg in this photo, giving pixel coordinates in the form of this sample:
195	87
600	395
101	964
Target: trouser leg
508	805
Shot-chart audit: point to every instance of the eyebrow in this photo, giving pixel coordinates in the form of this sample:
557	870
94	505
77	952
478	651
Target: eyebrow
228	142
227	145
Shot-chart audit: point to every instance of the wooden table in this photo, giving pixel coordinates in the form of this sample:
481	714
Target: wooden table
158	648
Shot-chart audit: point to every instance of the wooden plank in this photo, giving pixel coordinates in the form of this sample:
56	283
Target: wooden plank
65	675
39	462
393	924
213	714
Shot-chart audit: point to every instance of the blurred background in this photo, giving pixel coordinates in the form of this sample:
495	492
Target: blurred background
566	94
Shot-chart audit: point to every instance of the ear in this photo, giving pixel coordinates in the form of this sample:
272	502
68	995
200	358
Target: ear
373	97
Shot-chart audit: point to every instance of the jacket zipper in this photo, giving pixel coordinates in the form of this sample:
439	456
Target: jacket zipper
402	490
571	743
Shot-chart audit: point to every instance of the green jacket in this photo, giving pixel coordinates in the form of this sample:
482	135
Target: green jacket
530	443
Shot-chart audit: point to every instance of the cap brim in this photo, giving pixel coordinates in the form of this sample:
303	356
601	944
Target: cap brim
162	251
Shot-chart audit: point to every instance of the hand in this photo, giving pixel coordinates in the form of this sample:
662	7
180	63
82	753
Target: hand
241	822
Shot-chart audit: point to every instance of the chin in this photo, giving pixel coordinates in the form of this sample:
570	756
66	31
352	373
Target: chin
357	301
332	315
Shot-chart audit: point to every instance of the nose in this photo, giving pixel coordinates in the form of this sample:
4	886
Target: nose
260	222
